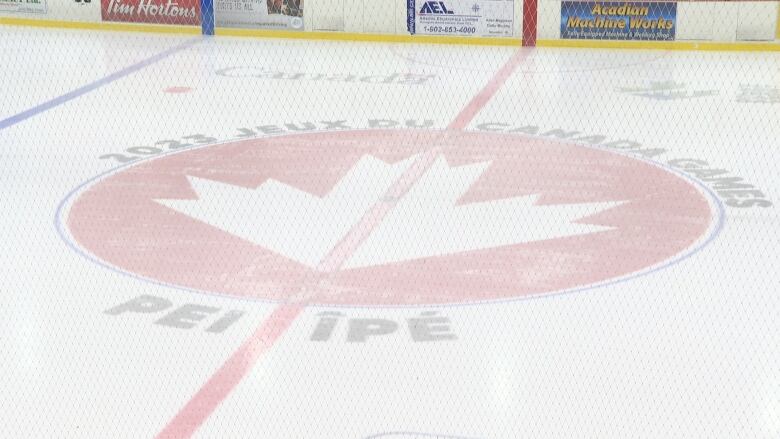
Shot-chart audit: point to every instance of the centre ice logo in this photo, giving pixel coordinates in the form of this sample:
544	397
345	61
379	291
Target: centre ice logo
426	222
391	217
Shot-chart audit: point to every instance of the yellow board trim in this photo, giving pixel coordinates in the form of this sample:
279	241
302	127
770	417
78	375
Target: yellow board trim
381	38
121	27
768	46
258	33
422	39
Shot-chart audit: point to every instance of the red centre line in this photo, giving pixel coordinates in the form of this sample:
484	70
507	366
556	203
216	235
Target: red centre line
229	375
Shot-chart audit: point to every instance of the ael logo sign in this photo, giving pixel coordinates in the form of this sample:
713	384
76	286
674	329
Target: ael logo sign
488	216
435	8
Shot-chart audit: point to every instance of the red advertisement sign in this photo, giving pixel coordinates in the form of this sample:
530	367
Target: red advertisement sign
152	11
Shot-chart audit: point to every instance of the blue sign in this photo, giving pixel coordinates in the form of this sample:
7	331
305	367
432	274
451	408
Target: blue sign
588	20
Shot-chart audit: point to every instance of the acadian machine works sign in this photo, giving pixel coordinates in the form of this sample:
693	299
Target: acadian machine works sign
618	20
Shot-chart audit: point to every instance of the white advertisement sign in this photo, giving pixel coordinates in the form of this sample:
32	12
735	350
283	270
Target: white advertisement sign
23	6
75	10
65	10
481	18
259	14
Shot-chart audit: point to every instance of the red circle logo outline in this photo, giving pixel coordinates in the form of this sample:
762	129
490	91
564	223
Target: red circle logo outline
120	220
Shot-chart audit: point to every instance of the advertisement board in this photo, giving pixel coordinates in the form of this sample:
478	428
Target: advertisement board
23	6
178	12
481	18
75	10
618	20
259	14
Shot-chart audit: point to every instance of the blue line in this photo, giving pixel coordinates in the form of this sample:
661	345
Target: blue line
207	17
48	105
